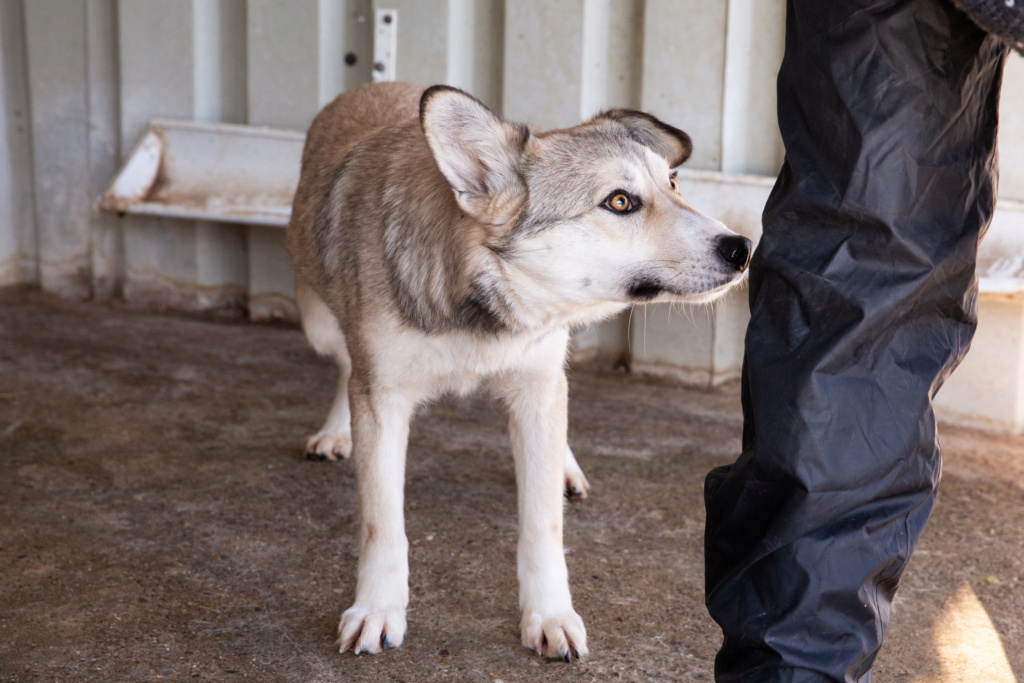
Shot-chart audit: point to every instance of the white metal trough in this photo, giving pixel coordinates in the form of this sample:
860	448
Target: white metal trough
738	200
1001	254
247	174
211	171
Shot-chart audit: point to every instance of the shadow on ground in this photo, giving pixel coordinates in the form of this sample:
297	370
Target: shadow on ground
158	520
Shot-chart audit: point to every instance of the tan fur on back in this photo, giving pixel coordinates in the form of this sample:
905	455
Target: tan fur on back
349	118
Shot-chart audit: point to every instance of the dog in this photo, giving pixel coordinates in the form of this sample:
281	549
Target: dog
438	248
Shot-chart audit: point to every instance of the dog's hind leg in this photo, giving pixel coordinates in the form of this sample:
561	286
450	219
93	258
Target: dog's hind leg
334	440
576	484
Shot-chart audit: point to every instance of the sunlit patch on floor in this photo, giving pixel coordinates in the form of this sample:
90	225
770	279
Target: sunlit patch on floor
968	644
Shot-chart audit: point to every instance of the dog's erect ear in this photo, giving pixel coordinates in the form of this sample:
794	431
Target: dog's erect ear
476	151
670	142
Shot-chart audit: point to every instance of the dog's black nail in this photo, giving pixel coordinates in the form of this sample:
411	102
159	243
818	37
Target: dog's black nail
576	654
322	456
310	455
568	659
384	641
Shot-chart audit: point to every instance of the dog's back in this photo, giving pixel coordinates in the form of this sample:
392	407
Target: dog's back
352	116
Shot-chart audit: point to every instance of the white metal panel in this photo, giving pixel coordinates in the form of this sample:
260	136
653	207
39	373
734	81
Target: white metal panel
219	73
612	55
156	59
219	61
1001	254
296	65
543	67
624	54
181	59
283	58
285	90
345	37
755	41
731	315
673	341
104	144
422	39
1011	130
18	253
159	77
297	57
55	34
684	72
476	48
987	389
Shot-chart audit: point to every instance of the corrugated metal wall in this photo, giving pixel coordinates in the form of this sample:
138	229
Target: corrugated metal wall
80	79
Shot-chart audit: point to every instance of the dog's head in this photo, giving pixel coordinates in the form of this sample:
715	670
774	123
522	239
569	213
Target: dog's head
588	214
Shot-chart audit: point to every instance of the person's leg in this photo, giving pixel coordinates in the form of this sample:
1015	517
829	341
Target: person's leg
863	299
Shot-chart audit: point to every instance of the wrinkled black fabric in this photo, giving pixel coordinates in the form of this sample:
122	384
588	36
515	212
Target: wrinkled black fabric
863	299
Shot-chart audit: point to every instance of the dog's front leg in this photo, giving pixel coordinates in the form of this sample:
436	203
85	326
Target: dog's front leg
537	403
380	431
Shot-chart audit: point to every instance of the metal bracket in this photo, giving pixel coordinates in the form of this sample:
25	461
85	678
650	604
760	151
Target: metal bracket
385	45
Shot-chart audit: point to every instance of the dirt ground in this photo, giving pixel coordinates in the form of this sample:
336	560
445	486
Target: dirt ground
158	521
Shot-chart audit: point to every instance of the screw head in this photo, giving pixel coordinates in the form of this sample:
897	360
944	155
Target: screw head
350	58
387	18
379	66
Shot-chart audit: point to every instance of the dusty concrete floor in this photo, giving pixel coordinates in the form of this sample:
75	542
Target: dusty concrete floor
158	521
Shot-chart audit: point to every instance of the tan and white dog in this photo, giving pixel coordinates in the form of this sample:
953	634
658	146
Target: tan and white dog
437	248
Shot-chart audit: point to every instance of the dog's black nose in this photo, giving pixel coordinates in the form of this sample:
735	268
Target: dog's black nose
736	251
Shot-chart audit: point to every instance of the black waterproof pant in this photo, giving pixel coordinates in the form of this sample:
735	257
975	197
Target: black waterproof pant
863	298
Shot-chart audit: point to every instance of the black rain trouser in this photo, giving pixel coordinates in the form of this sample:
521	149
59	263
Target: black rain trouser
863	298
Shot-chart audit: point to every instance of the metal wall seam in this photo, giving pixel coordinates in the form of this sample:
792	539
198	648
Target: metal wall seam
107	241
19	250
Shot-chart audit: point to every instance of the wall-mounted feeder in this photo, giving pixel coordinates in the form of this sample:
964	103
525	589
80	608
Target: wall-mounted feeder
209	171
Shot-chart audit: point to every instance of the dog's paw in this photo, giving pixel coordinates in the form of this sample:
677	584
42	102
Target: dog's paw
329	446
576	484
370	632
560	636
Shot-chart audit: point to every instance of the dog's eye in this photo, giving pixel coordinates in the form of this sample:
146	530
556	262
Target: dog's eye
619	202
674	183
